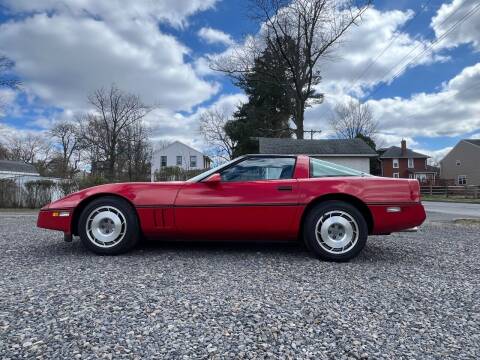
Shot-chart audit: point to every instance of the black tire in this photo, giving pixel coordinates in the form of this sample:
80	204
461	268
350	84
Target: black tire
320	246
129	228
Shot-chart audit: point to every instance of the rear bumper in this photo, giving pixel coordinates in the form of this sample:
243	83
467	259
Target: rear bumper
55	219
409	216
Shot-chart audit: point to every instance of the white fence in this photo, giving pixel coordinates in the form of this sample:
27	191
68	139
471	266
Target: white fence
33	191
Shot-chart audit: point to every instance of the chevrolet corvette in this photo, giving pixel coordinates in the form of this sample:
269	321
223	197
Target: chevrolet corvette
331	208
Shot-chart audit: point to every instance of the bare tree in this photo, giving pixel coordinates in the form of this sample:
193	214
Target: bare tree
103	129
136	152
65	135
212	128
29	148
354	119
6	79
300	33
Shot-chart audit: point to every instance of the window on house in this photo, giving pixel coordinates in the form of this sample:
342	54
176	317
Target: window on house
396	175
163	161
410	163
179	160
410	176
458	162
193	161
395	163
462	179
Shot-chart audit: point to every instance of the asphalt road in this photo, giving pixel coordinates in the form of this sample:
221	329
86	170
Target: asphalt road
450	210
408	295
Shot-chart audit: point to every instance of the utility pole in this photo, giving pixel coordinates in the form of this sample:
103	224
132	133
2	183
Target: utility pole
312	132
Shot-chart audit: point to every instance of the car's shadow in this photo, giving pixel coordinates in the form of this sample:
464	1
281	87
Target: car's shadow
374	251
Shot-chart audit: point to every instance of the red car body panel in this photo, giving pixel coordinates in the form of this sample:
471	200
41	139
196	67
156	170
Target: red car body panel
267	209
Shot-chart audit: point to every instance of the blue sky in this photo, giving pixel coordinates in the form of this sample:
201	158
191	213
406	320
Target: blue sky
64	49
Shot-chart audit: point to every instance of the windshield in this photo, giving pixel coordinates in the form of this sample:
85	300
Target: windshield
207	173
320	168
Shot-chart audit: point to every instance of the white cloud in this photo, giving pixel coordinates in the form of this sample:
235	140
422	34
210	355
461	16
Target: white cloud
435	155
62	59
452	111
213	36
169	126
174	12
360	47
7	98
466	32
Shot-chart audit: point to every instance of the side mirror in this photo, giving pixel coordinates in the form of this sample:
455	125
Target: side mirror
214	179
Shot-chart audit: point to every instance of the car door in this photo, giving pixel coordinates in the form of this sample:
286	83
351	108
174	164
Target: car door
257	198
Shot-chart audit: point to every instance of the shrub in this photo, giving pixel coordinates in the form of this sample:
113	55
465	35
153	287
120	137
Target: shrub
39	193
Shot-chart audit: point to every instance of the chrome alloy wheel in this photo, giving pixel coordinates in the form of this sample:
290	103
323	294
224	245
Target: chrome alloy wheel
106	226
337	232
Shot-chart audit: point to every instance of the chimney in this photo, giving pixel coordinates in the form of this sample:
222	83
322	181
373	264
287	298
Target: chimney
404	147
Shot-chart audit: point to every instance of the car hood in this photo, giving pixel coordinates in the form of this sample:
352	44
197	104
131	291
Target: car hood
139	194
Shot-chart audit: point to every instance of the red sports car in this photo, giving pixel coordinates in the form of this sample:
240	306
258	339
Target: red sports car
330	207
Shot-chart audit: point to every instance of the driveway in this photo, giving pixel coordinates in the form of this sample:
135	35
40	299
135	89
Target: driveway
450	210
408	295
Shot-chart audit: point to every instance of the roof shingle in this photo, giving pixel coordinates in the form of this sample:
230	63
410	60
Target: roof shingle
395	152
473	141
17	166
324	147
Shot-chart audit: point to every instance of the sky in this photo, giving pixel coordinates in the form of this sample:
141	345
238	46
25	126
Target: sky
415	63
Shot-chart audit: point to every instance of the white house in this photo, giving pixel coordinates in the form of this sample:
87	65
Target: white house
181	155
353	153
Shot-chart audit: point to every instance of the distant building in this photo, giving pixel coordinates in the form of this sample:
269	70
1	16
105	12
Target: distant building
354	153
401	162
462	163
181	155
12	169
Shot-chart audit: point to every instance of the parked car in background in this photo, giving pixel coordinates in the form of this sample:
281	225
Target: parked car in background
330	207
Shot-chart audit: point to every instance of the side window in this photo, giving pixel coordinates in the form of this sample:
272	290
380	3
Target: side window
260	169
395	163
163	161
179	160
321	168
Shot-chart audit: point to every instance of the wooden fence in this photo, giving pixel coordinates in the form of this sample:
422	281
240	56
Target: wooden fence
467	191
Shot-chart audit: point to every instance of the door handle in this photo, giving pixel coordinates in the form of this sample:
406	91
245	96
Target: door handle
284	188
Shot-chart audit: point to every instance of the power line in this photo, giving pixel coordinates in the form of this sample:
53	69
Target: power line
443	36
436	41
374	61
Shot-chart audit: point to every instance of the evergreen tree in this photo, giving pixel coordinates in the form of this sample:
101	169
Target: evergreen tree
269	108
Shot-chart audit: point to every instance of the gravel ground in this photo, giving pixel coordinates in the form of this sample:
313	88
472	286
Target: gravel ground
406	296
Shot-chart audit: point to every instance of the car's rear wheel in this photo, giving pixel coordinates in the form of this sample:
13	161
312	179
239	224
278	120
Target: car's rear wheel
335	230
109	226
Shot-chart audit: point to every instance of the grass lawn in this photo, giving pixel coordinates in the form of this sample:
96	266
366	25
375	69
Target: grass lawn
468	222
443	198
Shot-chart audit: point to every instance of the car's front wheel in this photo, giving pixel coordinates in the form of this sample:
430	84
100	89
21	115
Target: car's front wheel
335	230
108	226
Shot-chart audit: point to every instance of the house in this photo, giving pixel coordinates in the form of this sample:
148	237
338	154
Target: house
401	162
181	155
462	163
13	169
354	153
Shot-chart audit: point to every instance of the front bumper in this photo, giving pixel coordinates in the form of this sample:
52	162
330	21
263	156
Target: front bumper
55	219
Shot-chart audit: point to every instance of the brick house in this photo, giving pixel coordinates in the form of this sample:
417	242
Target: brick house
401	162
